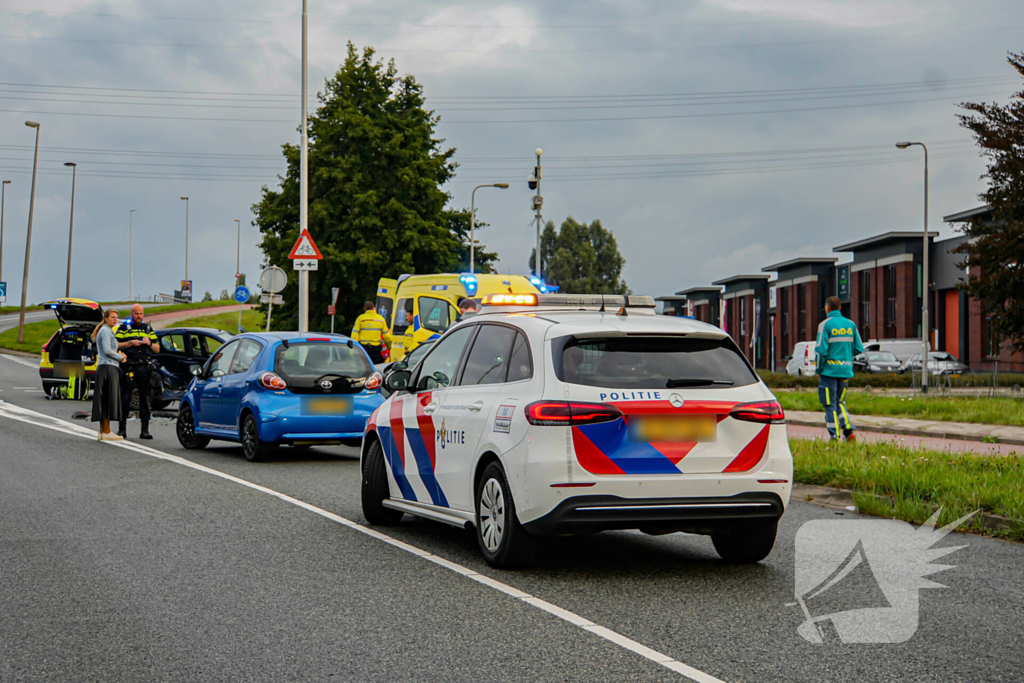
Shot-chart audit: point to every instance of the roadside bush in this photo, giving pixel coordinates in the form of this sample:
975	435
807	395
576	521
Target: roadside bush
892	380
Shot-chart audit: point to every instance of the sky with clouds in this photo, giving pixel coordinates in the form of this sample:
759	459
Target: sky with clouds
713	137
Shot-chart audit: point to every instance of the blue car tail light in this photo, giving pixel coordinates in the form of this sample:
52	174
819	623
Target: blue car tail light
269	380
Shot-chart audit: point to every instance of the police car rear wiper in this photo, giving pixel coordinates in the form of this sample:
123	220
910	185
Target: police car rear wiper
697	382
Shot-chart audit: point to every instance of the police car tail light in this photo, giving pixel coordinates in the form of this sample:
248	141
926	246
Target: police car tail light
374	382
572	413
762	412
269	380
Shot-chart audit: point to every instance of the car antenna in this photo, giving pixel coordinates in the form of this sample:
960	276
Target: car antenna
350	343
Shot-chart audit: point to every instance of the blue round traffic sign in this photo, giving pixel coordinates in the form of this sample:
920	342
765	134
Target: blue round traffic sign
241	294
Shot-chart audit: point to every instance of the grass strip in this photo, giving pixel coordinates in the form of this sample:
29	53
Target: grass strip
252	320
38	333
910	484
974	409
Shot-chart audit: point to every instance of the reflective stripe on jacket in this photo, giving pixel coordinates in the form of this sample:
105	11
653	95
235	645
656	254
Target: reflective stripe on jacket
126	332
838	342
371	328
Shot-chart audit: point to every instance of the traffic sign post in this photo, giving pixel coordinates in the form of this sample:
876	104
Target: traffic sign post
305	257
3	292
272	280
241	296
332	307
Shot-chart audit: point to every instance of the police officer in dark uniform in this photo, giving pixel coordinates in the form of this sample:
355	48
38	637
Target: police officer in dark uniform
137	340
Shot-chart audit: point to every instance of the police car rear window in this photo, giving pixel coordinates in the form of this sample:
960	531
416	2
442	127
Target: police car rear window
653	363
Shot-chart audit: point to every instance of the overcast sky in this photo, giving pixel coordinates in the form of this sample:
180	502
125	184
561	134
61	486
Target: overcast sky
713	137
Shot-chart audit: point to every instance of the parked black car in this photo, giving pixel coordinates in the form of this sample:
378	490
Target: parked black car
875	362
180	349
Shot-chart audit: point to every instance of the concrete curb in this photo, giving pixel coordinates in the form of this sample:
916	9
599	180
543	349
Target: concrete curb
907	431
842	499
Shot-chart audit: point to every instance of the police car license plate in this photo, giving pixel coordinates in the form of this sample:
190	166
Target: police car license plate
673	428
327	405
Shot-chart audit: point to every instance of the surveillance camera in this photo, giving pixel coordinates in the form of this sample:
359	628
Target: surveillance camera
532	182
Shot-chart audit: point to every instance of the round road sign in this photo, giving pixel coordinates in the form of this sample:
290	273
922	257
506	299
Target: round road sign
273	279
241	294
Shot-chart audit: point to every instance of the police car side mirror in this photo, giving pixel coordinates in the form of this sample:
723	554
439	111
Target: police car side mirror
398	380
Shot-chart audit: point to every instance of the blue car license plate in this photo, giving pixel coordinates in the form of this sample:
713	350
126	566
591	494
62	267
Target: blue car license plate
326	405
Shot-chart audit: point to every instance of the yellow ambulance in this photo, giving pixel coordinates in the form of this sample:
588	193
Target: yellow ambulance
428	304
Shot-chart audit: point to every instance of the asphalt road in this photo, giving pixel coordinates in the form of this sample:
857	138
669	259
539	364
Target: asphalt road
117	563
11	320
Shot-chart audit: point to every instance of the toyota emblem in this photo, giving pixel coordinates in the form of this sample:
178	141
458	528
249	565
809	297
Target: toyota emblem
326	384
676	400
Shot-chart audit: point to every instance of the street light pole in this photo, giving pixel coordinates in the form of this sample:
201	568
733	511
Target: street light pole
472	222
3	201
186	237
304	179
71	228
28	237
537	203
131	255
924	271
238	272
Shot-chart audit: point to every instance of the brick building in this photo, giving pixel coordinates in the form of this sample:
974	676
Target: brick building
797	302
881	291
703	303
744	306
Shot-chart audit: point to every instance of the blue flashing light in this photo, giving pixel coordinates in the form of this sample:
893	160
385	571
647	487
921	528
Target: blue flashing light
470	283
535	281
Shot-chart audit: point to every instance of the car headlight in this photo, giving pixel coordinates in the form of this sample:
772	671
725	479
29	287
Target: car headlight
874	367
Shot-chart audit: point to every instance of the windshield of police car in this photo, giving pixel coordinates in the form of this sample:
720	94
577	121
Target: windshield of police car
654	363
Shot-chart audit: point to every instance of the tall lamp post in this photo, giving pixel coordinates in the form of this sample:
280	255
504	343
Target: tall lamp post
238	267
28	237
186	236
472	222
71	227
924	271
131	255
304	179
3	200
538	202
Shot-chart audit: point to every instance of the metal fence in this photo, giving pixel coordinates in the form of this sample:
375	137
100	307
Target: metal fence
995	383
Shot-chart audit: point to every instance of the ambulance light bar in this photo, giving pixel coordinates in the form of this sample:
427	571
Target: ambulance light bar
609	301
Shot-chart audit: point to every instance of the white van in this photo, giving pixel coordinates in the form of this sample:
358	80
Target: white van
901	348
802	363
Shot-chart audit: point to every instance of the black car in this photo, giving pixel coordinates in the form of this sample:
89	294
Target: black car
875	362
181	348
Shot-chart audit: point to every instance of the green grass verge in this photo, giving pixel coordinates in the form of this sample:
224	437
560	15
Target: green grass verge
890	380
252	321
37	334
910	484
975	409
124	306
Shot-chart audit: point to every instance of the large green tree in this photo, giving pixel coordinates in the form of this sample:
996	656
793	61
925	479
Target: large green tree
581	258
996	248
376	207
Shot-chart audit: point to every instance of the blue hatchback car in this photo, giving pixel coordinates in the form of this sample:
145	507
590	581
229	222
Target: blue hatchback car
293	388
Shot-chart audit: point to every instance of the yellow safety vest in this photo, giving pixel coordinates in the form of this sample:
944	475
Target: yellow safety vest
371	328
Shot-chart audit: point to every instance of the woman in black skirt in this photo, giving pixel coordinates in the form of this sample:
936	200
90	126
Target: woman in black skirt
106	392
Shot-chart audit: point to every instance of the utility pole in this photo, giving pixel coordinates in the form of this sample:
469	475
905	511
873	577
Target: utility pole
3	201
304	180
538	203
28	237
238	271
186	237
71	228
131	255
924	271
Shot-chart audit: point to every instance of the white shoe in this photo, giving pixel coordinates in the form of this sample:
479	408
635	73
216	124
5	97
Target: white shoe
111	437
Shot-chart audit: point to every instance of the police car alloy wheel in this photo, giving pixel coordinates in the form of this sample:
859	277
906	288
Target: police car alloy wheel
186	430
502	540
375	488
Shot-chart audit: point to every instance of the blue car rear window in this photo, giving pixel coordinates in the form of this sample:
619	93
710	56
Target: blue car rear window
312	360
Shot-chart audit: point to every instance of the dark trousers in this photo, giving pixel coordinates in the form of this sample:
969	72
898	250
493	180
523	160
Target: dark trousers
135	377
832	395
375	351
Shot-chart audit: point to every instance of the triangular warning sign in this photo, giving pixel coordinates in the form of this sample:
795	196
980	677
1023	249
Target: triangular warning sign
305	248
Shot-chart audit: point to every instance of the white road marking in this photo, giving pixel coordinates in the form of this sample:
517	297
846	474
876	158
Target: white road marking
32	417
20	361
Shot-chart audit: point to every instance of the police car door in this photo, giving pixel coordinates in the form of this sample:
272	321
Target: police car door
412	451
466	413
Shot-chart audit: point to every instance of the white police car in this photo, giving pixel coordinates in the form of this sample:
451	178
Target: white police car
561	414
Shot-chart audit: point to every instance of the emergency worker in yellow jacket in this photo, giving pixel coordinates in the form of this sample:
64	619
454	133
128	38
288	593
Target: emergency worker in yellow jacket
371	331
